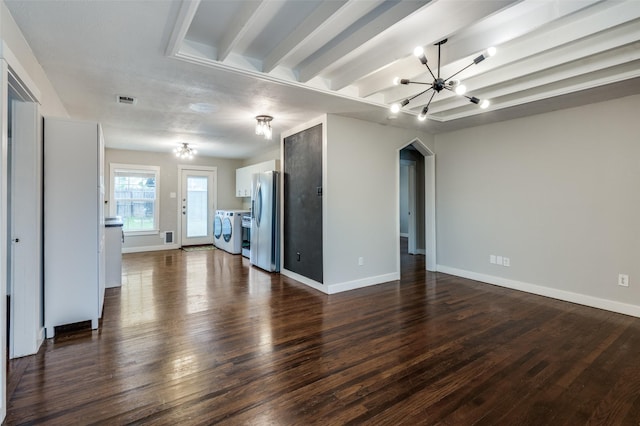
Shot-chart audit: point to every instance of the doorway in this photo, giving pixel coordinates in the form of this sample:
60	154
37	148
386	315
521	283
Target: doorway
197	204
417	202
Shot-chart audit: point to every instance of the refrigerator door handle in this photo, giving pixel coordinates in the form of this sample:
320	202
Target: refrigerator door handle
258	203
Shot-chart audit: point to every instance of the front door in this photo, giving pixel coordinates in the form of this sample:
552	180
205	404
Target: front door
197	206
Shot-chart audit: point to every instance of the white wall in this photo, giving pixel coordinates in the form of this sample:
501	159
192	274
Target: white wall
266	155
361	201
168	163
557	193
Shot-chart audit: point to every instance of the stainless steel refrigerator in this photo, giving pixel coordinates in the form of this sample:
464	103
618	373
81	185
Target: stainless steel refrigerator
265	221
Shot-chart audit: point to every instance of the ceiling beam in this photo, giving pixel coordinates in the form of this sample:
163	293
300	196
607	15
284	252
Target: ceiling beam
239	26
351	12
347	44
187	11
317	22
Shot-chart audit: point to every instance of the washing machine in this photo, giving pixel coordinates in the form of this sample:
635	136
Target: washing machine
231	238
217	228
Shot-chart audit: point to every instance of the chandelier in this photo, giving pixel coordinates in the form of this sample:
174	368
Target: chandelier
438	84
183	150
263	126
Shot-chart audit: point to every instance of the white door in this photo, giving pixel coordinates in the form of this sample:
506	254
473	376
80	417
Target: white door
197	206
24	230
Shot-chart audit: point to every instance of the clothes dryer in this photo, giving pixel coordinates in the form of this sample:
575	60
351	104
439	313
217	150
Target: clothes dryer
217	228
231	238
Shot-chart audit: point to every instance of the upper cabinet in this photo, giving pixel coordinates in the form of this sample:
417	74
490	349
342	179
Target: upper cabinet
243	176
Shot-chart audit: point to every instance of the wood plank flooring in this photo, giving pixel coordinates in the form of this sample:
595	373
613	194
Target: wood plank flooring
202	337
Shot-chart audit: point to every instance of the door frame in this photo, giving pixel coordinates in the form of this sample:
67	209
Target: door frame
430	236
187	167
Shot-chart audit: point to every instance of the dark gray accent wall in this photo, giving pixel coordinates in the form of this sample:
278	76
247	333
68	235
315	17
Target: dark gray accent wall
302	197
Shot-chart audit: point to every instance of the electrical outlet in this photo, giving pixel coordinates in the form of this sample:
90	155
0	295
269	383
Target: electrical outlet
506	261
360	261
492	259
623	280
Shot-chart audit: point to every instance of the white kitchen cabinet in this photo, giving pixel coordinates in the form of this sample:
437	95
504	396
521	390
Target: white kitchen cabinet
243	175
243	181
74	262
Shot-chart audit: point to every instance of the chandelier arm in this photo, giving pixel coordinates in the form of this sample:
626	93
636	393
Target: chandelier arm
430	99
421	93
473	63
431	72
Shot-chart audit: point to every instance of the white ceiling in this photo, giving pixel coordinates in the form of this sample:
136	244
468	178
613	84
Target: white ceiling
201	70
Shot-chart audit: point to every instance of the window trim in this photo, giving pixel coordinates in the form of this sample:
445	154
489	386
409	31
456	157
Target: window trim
113	167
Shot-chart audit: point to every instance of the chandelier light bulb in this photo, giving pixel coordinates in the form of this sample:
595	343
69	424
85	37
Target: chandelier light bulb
461	89
423	114
485	104
491	51
395	108
396	81
418	51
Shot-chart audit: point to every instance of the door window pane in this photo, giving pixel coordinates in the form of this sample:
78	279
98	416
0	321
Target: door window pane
197	206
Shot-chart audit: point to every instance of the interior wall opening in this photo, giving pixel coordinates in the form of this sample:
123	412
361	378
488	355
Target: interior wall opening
417	206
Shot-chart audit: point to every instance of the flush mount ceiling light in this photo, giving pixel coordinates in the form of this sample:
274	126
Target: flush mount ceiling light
438	84
263	126
183	150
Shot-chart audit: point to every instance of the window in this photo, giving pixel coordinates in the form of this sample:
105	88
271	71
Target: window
134	195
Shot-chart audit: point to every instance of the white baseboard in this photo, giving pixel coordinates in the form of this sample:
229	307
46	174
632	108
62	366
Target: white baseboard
421	251
404	234
304	280
40	338
340	287
150	248
567	296
363	282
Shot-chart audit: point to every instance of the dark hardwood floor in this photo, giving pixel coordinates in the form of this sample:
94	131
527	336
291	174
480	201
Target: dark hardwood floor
204	338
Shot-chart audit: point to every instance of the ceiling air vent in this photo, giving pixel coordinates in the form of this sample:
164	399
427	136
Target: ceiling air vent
127	100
